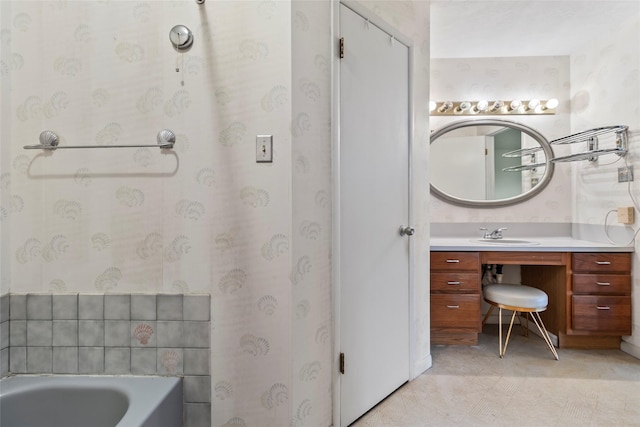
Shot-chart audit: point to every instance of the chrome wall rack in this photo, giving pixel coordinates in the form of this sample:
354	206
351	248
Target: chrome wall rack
590	137
49	140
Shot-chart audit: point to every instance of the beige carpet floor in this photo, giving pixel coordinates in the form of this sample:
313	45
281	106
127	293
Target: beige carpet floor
472	386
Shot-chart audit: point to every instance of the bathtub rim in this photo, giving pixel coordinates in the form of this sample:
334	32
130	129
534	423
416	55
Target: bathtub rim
145	393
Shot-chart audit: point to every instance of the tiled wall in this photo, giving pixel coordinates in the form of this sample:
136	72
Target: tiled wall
166	334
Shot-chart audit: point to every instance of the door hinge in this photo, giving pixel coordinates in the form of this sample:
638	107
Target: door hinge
342	363
341	47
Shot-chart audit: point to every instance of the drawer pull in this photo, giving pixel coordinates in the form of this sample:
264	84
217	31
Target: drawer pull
453	306
603	283
453	261
603	307
454	283
603	262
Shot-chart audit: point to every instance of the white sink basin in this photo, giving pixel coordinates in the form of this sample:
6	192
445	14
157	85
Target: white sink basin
508	242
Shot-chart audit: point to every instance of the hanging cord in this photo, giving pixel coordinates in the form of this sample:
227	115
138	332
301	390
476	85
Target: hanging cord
180	60
635	206
613	162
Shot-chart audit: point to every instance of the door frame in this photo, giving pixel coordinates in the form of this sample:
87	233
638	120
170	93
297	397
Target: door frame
335	175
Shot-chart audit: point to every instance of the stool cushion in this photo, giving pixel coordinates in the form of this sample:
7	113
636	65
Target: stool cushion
516	295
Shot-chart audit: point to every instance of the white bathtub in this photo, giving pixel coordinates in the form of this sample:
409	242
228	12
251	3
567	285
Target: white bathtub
95	401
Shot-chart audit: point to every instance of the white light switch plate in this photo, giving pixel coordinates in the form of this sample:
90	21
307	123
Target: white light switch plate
264	148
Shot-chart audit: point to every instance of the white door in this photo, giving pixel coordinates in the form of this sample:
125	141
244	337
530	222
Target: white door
374	203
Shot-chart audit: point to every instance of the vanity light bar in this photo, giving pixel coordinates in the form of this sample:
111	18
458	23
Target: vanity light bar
493	108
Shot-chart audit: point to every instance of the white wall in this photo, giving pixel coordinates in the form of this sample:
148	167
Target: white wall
204	218
605	88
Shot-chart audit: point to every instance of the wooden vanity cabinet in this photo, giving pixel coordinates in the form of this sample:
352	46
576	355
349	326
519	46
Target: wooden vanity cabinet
455	298
600	294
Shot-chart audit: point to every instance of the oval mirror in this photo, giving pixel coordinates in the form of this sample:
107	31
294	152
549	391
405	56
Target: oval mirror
488	163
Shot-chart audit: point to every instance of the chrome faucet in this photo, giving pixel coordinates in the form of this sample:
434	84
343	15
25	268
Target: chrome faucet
495	234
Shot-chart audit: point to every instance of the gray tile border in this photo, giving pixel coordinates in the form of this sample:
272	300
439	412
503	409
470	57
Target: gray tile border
17	333
170	361
117	307
39	307
117	333
4	362
18	307
65	307
196	334
40	359
4	307
143	307
169	307
197	415
117	360
39	333
65	360
196	361
90	307
143	361
143	334
197	389
90	360
169	334
91	333
196	307
18	360
4	335
65	333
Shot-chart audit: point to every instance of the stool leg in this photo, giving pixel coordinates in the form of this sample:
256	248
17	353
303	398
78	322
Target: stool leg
506	343
545	334
486	316
500	331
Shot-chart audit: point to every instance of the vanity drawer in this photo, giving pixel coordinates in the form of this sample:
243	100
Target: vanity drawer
455	261
456	311
602	283
602	314
455	282
601	262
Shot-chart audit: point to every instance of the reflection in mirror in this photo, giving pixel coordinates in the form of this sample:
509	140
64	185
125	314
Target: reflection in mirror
489	162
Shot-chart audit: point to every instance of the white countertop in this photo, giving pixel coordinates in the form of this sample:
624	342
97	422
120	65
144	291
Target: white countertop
539	244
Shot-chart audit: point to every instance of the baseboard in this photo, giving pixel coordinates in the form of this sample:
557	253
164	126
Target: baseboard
631	349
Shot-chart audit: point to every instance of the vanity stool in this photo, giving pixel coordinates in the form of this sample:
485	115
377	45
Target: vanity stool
519	299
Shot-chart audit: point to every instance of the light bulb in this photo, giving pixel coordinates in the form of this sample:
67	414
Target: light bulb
515	105
551	104
464	106
446	106
482	105
497	105
432	106
533	104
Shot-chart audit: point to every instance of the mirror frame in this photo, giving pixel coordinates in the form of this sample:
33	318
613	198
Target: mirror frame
544	181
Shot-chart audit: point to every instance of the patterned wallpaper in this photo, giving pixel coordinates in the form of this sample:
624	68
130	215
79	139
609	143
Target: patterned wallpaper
205	217
509	78
605	83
